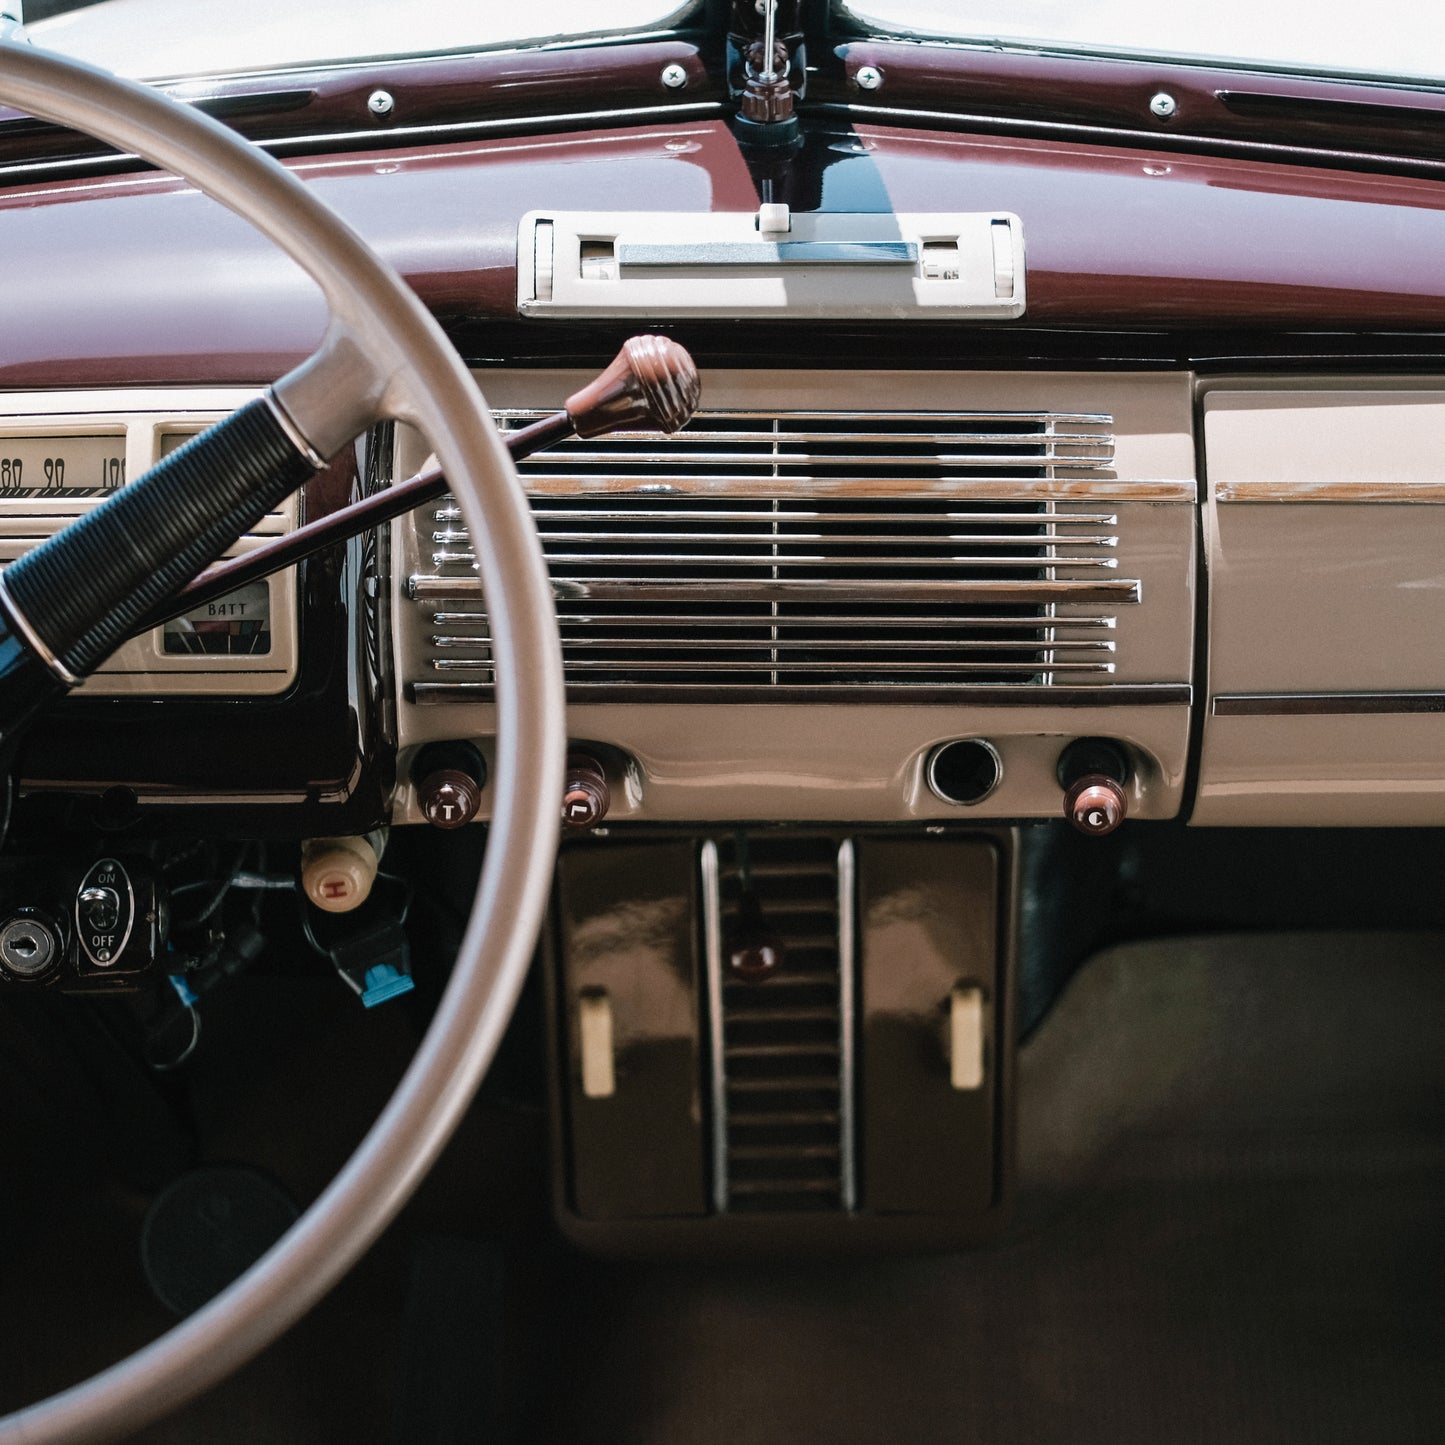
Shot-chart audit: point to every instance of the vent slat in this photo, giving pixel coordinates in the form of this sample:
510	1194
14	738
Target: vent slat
798	512
785	644
946	669
683	561
652	621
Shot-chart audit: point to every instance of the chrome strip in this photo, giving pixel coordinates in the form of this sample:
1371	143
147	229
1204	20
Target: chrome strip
282	145
683	560
1072	482
37	643
617	621
959	456
779	664
717	1067
847	1145
893	694
597	638
1110	591
567	120
456	536
452	513
1338	492
1149	139
1325	704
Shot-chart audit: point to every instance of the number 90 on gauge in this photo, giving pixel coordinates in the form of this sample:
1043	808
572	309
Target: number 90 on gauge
64	466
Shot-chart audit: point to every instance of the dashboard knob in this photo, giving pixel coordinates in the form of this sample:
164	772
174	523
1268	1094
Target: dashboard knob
1096	804
449	779
337	873
585	795
449	798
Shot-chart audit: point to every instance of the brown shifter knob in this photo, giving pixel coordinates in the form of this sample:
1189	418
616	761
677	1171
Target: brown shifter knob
585	795
652	383
1096	804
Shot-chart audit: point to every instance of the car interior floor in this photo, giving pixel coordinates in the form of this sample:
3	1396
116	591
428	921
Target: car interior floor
1231	1178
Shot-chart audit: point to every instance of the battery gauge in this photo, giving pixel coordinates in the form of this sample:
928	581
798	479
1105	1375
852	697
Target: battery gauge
236	625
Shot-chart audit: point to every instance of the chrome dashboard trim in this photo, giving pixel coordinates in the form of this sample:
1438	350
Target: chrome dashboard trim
438	694
1325	704
847	1027
1108	591
717	1067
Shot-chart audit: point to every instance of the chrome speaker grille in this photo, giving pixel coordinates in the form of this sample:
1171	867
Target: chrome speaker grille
805	554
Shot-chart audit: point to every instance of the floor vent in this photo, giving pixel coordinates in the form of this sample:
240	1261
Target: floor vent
782	1044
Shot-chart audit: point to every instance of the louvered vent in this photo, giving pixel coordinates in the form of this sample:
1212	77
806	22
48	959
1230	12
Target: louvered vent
805	553
782	1052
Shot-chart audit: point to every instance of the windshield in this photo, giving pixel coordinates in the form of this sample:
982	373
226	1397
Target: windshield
156	39
1402	38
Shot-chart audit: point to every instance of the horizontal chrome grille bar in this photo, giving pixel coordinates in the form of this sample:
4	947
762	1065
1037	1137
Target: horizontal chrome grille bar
954	422
1030	541
682	561
462	664
904	694
988	591
654	620
787	511
797	644
1031	453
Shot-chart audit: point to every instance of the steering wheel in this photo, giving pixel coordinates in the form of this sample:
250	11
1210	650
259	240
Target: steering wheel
383	357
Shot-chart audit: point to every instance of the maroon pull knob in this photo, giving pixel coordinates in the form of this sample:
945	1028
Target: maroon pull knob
449	798
652	383
1096	804
585	796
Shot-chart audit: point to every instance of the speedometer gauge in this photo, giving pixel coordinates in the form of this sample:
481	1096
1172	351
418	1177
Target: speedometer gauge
69	466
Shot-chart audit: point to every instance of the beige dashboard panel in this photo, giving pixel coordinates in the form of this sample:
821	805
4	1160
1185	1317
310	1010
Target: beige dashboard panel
865	759
145	423
1325	544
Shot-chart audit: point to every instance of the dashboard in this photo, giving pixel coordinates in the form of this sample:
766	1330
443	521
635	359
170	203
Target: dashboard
1153	533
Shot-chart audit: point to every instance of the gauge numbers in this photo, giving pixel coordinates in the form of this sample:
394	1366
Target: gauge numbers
64	466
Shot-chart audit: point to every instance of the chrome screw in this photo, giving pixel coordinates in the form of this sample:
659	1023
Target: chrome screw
380	102
674	77
1163	105
869	77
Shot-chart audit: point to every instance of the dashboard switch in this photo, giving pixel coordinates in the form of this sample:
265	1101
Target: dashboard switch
105	912
337	873
449	778
1096	805
1093	773
585	796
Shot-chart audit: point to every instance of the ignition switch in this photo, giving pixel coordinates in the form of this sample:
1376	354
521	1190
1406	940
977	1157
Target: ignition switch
29	944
